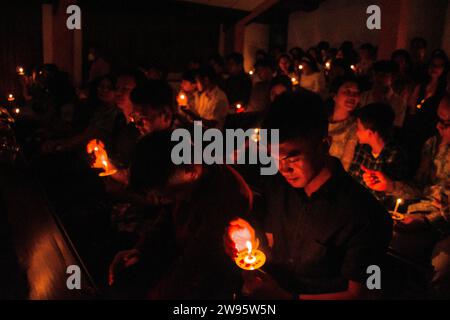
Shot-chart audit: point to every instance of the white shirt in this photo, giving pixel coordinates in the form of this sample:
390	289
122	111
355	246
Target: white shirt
212	105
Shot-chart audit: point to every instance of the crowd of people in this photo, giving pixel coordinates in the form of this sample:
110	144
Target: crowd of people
356	135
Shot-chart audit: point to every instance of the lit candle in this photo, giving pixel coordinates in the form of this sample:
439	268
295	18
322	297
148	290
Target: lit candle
11	97
182	99
300	67
250	259
20	71
328	65
255	134
353	67
251	72
419	106
294	81
97	148
17	110
397	204
239	108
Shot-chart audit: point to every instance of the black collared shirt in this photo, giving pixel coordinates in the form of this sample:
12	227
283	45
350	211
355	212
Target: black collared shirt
323	241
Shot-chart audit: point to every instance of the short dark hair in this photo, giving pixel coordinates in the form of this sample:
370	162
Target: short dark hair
151	164
378	117
283	80
236	57
153	94
298	115
385	66
341	80
207	72
189	75
264	63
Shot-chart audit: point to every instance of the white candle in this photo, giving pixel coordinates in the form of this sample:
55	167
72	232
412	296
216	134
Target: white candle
397	204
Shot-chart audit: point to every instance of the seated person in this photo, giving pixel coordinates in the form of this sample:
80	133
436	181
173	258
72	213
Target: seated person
238	86
152	111
382	91
183	249
188	90
320	239
376	149
211	103
432	187
342	122
278	85
260	97
106	120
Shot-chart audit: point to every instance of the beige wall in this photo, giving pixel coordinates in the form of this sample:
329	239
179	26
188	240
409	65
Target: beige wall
256	37
331	22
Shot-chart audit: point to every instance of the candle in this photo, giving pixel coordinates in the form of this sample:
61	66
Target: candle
250	259
182	99
353	67
17	110
251	72
11	97
255	136
397	204
97	149
419	106
300	67
328	65
294	81
239	108
20	71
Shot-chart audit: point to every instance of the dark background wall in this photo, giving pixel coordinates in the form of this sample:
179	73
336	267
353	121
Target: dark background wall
20	40
168	34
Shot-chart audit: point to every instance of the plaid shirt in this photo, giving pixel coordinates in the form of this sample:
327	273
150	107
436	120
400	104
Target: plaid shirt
391	161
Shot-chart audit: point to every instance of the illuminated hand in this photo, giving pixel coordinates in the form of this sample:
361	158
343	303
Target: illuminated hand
122	260
376	180
236	236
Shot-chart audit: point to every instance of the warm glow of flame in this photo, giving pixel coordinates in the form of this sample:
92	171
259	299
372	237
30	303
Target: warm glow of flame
182	96
17	110
249	247
11	97
327	65
399	201
353	67
251	72
97	148
20	71
300	67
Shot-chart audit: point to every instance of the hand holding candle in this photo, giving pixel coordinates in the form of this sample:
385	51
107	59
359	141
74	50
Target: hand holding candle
101	161
182	99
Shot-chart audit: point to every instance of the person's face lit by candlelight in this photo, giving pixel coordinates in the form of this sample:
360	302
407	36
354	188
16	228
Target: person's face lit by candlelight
105	91
436	68
347	97
301	160
188	86
443	125
284	64
365	136
125	84
264	73
149	120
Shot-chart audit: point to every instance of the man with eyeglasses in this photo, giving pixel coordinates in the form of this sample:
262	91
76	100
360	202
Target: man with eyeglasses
323	229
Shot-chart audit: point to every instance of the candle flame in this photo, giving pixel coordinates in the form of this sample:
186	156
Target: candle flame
250	72
11	97
399	201
327	65
353	67
300	67
17	110
182	96
97	148
249	247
